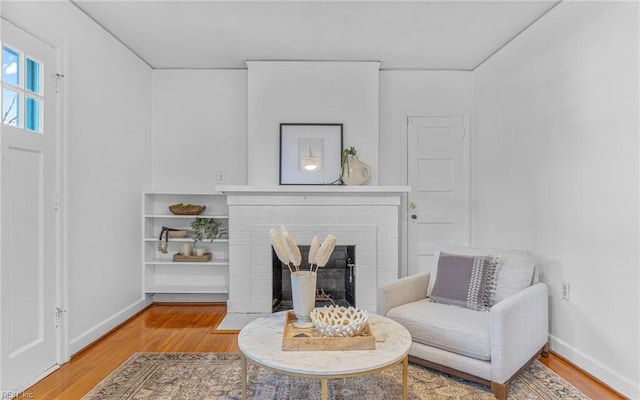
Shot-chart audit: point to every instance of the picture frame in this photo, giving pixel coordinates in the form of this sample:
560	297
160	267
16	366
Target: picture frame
310	154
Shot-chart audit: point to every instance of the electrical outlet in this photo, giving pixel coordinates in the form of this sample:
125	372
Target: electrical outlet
566	290
221	177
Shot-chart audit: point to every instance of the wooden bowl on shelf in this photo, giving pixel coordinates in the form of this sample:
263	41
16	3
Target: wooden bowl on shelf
178	234
186	209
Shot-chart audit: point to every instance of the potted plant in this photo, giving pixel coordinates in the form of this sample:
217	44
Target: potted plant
352	170
205	229
347	154
344	164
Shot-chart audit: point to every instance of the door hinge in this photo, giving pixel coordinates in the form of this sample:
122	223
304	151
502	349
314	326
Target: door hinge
56	201
59	77
59	313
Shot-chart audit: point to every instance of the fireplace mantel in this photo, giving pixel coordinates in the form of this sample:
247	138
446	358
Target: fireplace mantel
366	217
311	189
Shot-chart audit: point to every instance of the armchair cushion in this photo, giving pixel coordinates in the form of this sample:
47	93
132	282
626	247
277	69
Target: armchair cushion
462	281
455	329
514	269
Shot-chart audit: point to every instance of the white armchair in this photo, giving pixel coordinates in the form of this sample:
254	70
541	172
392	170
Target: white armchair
487	347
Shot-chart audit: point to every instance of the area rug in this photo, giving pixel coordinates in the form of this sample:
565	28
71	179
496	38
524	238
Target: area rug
157	376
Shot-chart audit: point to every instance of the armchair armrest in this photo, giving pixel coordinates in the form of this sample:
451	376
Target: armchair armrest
404	290
519	328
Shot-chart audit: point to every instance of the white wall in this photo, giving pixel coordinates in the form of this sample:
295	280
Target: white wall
209	108
555	170
314	92
199	129
415	93
107	136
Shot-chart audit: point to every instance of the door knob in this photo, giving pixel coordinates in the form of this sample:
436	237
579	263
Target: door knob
413	216
412	205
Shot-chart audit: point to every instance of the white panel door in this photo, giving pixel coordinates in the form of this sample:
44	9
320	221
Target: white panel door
28	182
437	172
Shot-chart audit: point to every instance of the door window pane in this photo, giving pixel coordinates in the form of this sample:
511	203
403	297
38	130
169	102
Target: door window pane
10	66
10	107
32	115
22	90
33	76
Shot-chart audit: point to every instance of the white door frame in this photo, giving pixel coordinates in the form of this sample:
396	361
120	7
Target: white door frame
61	271
61	222
404	209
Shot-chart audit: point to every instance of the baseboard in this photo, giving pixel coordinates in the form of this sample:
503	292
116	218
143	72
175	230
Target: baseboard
609	377
90	336
189	298
19	393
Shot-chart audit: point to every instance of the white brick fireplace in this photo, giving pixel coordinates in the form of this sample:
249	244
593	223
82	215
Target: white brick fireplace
366	216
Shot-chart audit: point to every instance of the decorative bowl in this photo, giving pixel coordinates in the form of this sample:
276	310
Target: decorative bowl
339	321
186	209
178	234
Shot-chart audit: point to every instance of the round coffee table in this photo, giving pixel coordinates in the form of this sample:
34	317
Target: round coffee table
261	343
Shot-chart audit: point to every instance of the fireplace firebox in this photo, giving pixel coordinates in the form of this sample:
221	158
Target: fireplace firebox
335	285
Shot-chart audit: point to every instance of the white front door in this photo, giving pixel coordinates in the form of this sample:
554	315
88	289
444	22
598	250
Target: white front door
437	172
28	183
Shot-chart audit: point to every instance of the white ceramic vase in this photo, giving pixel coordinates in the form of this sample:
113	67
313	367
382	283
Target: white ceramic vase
355	172
303	293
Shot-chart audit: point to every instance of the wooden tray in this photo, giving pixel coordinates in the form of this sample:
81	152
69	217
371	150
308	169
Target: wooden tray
178	257
310	339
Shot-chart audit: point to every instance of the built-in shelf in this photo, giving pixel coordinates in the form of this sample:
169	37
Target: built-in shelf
187	239
200	289
171	216
164	276
190	263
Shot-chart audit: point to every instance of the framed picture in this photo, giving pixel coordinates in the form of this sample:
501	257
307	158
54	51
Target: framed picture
310	153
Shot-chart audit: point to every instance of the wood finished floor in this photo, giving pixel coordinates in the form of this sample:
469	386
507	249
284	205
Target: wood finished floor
187	328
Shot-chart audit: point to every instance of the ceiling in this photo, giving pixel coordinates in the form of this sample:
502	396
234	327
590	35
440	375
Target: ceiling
456	35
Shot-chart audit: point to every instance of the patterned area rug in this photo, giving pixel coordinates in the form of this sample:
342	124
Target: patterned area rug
147	376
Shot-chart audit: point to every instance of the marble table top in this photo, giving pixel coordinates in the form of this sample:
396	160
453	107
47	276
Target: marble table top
261	342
